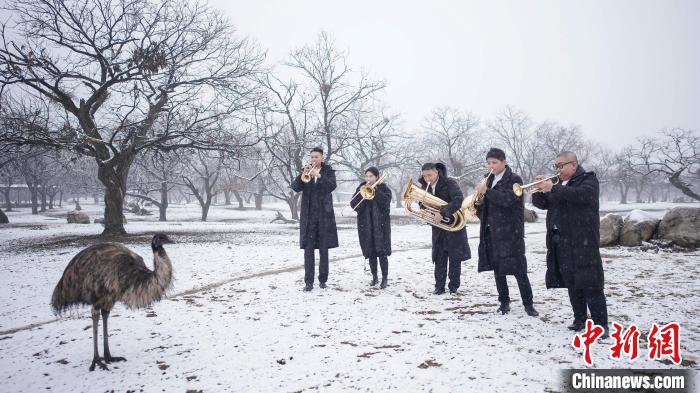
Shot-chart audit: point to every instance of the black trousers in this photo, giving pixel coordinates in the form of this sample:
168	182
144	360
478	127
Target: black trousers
383	263
523	285
441	271
591	299
310	268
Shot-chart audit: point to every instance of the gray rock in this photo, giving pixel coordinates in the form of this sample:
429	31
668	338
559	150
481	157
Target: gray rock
3	218
76	217
610	227
530	215
638	227
681	225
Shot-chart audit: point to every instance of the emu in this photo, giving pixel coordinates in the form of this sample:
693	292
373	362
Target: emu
105	273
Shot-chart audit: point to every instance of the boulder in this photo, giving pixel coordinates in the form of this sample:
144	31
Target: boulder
530	215
76	217
3	218
638	227
681	225
610	227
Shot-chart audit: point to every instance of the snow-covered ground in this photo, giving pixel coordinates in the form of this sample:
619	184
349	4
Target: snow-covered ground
237	320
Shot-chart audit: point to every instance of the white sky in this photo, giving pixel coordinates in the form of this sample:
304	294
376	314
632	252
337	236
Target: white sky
619	69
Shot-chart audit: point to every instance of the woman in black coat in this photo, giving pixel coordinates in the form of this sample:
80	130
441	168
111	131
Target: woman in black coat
374	225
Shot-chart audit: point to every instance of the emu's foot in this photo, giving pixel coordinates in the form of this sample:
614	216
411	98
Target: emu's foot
112	359
98	361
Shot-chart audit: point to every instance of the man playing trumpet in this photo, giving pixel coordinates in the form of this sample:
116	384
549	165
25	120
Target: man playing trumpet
447	245
573	239
317	219
502	232
373	222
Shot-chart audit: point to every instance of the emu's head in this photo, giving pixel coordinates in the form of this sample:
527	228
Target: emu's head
158	240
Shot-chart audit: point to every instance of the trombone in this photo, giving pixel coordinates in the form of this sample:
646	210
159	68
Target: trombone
368	192
530	188
306	174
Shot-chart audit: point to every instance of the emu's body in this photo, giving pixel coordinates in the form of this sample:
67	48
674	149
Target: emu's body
106	273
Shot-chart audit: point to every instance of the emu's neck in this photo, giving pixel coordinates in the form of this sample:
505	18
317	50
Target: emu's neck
162	269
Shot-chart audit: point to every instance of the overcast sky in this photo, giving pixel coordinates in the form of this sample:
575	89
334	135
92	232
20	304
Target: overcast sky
618	69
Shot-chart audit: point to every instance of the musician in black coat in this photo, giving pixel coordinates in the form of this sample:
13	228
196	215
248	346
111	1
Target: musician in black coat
452	246
573	239
317	218
502	232
374	225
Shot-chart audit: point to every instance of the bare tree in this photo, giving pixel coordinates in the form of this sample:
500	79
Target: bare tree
336	90
116	67
202	176
675	152
157	172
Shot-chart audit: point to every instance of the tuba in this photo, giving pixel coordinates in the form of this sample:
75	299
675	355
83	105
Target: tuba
476	199
431	204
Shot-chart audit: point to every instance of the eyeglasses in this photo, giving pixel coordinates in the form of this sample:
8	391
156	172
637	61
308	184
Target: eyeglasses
561	164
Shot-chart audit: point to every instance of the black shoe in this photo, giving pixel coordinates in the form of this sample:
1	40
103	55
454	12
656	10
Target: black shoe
606	334
504	308
439	291
322	285
577	326
453	291
308	288
531	311
384	283
374	281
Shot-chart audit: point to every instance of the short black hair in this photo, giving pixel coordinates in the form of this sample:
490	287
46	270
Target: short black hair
318	149
496	153
374	170
428	166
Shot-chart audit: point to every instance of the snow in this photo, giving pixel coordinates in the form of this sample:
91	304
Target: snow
237	320
637	215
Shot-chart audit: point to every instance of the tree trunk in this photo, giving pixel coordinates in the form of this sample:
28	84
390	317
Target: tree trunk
8	202
60	198
258	201
623	193
43	198
675	180
114	180
293	202
227	197
163	206
397	198
239	198
205	209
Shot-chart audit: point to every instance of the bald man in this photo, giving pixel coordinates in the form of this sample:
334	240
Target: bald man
573	239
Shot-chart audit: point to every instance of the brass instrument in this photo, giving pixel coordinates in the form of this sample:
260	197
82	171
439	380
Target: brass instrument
531	188
476	199
306	174
430	205
368	192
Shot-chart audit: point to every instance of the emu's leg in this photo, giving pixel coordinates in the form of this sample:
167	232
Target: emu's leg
108	356
96	355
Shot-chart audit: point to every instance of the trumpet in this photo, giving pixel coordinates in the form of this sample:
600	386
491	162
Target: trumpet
476	199
368	192
530	188
306	174
431	204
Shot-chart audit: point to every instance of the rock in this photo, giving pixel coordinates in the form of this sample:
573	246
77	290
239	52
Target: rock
681	225
530	215
3	218
101	220
638	227
76	217
610	227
